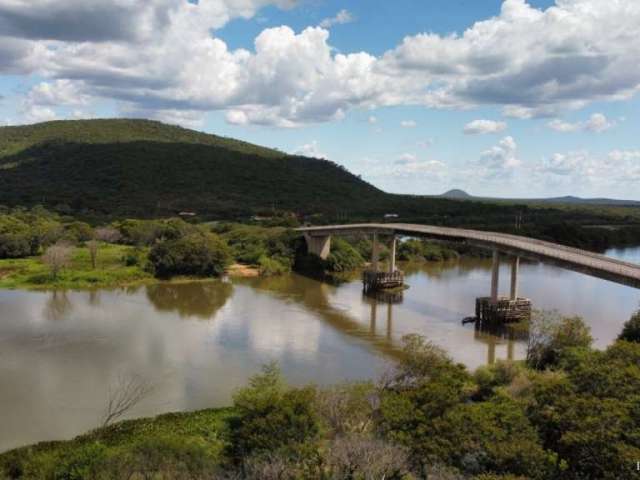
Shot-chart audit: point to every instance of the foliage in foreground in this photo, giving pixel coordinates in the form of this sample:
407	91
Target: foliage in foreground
427	418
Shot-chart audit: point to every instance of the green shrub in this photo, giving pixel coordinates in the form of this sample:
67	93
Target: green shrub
201	254
551	336
631	330
271	266
78	232
273	418
343	257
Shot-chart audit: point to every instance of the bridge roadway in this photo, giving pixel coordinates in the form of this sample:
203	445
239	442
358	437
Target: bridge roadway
590	263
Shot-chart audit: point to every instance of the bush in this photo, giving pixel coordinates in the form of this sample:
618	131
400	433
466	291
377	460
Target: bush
551	336
201	254
631	330
273	418
272	266
78	232
343	257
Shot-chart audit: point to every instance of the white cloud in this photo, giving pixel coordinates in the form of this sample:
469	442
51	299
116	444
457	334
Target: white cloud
408	164
372	120
408	124
484	126
597	123
160	56
501	160
310	149
342	17
577	169
35	114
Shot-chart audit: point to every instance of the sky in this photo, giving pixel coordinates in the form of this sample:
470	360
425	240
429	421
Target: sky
504	98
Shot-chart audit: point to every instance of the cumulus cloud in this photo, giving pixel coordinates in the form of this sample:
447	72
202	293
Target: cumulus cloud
484	126
408	164
577	169
161	56
310	149
597	123
408	124
501	160
342	17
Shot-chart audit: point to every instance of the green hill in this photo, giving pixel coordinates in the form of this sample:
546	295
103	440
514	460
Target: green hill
146	168
101	169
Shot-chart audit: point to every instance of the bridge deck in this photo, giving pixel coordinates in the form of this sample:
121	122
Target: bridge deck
567	257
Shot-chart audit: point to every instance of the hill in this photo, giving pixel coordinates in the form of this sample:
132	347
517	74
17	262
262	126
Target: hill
456	193
146	168
109	169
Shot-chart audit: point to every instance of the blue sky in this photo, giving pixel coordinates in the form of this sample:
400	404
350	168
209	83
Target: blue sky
509	98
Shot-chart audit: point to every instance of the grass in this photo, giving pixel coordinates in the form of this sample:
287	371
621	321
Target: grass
172	434
111	271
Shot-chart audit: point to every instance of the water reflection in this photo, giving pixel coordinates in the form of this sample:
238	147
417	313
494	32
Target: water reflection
199	341
57	306
200	299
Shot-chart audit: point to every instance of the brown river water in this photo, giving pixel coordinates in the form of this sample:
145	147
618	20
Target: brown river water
61	352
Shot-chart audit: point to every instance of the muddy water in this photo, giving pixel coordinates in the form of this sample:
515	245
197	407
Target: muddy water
61	352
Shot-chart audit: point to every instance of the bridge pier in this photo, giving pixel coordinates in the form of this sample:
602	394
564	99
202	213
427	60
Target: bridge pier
496	309
392	254
319	245
373	279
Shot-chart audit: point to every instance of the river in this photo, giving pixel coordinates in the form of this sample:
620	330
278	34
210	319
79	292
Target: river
62	352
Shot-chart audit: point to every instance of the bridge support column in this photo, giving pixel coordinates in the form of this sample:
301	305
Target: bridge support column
374	253
319	245
495	276
515	266
392	254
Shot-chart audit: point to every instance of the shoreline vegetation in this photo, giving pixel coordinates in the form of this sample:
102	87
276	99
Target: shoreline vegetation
41	250
566	412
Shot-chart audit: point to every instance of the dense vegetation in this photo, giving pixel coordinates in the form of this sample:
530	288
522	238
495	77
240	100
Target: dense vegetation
573	416
102	170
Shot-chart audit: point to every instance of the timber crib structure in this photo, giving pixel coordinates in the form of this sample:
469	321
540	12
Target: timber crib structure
374	281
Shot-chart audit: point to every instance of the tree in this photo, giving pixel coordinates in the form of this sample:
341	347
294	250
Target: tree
92	246
550	336
272	418
57	257
203	254
631	330
108	235
128	392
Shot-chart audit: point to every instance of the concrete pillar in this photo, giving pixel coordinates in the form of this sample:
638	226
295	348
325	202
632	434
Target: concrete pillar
374	316
389	320
392	255
515	266
495	276
319	245
374	253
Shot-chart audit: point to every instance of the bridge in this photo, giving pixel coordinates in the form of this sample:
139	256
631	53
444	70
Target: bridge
516	247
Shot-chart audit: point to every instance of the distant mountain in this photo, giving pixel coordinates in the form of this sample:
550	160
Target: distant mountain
456	193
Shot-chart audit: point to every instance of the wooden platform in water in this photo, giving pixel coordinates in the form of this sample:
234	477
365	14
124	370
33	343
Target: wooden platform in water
504	310
373	281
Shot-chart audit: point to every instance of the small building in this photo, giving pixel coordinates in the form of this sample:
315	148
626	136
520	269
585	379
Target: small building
391	215
187	214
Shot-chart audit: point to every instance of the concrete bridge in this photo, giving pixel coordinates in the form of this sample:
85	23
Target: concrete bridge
516	247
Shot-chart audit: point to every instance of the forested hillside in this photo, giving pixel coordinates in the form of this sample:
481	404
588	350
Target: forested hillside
111	169
145	168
